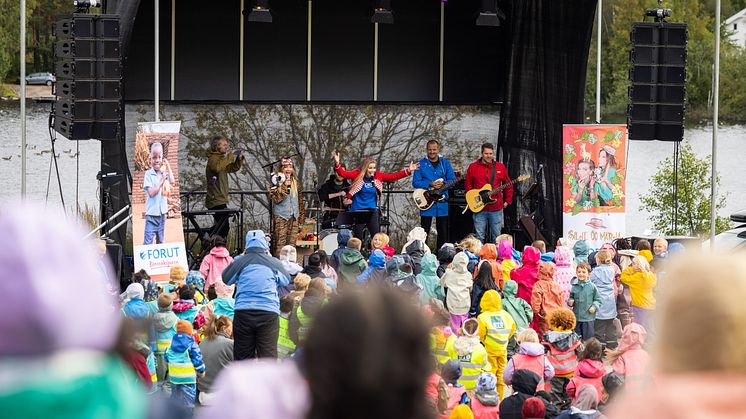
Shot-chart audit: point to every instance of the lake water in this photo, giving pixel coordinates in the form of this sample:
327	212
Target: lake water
642	161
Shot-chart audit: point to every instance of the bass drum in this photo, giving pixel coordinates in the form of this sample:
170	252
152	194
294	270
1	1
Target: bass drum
328	240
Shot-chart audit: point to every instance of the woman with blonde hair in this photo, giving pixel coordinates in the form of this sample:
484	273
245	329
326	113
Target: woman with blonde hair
288	211
641	281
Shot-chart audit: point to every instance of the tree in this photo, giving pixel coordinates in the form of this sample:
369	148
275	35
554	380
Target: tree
693	216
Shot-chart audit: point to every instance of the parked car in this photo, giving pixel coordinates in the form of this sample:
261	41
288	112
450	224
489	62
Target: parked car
733	239
41	78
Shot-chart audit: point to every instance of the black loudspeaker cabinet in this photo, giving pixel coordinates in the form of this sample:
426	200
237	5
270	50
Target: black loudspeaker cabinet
75	129
87	109
459	225
657	75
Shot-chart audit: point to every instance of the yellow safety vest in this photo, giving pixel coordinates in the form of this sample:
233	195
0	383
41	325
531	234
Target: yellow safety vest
499	327
285	346
472	365
444	353
305	324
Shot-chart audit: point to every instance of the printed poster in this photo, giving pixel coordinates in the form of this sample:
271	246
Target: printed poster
594	182
157	235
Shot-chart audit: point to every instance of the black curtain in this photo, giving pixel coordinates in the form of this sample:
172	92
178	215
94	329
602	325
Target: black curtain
544	89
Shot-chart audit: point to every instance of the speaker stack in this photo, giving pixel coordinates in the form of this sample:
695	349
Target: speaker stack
88	66
657	81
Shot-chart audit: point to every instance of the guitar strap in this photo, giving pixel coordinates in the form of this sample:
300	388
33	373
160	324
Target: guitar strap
492	175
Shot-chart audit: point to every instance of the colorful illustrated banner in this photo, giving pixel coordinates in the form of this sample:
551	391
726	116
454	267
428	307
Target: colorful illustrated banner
594	182
157	235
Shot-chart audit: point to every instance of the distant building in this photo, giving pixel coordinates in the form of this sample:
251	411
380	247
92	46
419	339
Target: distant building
736	25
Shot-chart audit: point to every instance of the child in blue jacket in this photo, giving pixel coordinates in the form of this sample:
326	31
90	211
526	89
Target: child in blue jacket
184	363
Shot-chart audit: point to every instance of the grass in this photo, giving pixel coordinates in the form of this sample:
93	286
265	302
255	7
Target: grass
6	91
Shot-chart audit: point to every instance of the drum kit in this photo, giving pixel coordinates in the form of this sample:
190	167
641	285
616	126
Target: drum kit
328	236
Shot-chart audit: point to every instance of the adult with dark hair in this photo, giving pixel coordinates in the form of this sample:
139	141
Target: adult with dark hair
220	162
257	276
435	171
333	194
367	356
486	170
366	188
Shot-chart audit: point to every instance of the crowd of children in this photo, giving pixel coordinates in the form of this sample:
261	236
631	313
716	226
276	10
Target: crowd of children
511	334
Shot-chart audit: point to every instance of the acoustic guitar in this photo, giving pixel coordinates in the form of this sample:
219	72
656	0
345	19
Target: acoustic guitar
477	199
426	198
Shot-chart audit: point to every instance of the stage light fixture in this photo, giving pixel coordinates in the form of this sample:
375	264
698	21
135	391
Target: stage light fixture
260	12
382	13
490	14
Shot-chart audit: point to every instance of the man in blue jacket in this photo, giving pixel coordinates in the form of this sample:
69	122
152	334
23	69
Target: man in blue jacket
435	171
257	276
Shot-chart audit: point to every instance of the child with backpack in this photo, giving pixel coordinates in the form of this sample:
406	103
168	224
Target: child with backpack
458	282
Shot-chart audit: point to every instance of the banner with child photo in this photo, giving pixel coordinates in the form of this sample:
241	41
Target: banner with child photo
157	235
594	182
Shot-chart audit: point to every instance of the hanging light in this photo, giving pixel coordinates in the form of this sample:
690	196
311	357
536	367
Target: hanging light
382	13
489	14
260	12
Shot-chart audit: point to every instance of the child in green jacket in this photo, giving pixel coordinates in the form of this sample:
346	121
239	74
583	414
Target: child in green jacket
585	301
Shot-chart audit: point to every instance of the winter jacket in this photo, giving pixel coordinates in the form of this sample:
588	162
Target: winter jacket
581	250
633	365
488	252
378	179
223	307
526	275
603	278
343	236
546	296
588	371
351	265
641	285
430	282
584	294
485	411
186	310
184	360
376	270
519	309
532	350
137	308
478	174
524	386
213	265
495	324
505	257
257	282
564	348
473	358
217	354
216	173
458	282
428	173
564	269
164	323
445	257
416	250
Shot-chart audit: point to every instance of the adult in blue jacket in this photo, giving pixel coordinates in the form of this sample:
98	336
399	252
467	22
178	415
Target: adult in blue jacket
257	276
435	170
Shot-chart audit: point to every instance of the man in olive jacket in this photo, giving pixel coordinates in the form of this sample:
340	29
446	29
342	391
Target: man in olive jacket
220	162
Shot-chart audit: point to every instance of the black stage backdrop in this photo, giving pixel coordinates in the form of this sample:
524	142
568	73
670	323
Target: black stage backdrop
544	89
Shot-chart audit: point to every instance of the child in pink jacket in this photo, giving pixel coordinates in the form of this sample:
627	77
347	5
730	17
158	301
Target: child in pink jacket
214	263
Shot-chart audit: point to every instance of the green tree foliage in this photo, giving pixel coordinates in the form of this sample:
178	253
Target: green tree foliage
693	216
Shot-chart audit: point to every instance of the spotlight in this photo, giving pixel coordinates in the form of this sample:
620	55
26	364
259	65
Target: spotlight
382	13
260	12
490	14
84	6
659	15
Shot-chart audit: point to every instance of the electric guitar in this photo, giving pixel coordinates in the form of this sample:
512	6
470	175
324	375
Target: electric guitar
426	198
477	199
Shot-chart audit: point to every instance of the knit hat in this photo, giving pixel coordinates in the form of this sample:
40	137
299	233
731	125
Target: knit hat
177	273
487	381
183	326
533	408
451	371
165	302
561	320
135	290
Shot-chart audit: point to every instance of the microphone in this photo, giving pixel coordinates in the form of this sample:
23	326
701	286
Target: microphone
541	168
214	180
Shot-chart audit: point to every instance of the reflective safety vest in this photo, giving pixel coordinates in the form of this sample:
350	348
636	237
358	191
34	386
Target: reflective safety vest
564	362
636	375
532	363
444	353
579	381
285	346
498	330
472	365
305	323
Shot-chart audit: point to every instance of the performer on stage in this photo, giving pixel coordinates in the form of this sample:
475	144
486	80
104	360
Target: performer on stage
488	171
435	170
288	211
220	162
366	188
333	194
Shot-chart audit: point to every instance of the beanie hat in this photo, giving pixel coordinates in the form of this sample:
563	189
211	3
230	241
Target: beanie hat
487	381
135	290
177	273
533	408
183	326
165	301
561	320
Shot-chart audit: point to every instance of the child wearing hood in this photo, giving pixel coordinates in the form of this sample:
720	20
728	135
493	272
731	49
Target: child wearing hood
343	237
524	388
585	406
590	369
451	371
603	278
215	262
496	327
585	301
527	275
380	241
505	258
546	296
471	354
519	310
565	269
416	247
351	264
164	324
135	307
289	259
445	257
376	270
484	404
629	360
530	357
431	288
488	253
458	283
581	251
184	360
564	347
220	304
442	337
